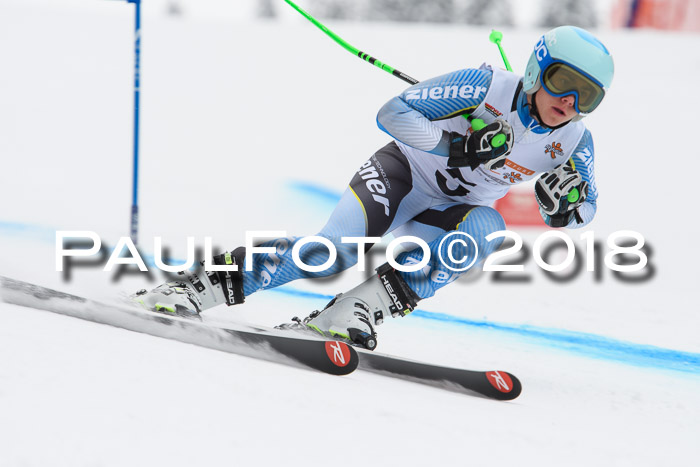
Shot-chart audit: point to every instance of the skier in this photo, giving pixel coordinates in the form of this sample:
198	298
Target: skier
435	181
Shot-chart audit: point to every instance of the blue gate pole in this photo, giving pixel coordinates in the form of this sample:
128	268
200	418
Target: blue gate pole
137	97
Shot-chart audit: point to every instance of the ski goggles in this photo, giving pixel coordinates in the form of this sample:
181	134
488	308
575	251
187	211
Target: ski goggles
560	79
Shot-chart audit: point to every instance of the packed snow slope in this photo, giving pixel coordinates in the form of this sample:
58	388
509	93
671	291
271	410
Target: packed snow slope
251	125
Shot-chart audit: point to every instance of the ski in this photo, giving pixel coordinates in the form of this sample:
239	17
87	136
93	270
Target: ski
499	385
333	357
280	346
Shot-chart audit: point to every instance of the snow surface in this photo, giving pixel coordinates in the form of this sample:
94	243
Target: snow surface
257	126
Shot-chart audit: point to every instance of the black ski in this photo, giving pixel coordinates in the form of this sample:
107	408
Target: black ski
331	357
267	344
498	385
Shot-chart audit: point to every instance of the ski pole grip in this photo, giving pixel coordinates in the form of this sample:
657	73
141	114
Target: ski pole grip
497	141
573	195
478	124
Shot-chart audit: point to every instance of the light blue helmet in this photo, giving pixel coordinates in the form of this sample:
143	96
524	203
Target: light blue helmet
579	50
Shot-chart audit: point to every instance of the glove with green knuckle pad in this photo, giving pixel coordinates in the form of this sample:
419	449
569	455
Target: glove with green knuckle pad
487	145
559	193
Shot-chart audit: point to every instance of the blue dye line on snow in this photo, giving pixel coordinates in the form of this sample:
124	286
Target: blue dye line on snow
586	344
37	231
48	234
315	190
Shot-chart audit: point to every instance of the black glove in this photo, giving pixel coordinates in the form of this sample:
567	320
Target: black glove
482	146
559	193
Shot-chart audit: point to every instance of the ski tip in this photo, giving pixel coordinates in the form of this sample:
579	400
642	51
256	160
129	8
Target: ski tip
342	358
505	386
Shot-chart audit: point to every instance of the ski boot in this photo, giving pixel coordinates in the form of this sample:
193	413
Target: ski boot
196	291
352	316
174	298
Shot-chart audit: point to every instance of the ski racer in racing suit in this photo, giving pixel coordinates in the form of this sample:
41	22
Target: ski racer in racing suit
437	179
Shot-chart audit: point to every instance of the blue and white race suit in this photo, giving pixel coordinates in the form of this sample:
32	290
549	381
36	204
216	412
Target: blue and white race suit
408	189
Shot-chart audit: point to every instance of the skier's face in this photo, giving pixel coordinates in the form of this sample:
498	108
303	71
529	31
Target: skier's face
554	110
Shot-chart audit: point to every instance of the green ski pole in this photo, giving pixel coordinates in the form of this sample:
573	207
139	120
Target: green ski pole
366	57
496	37
476	123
